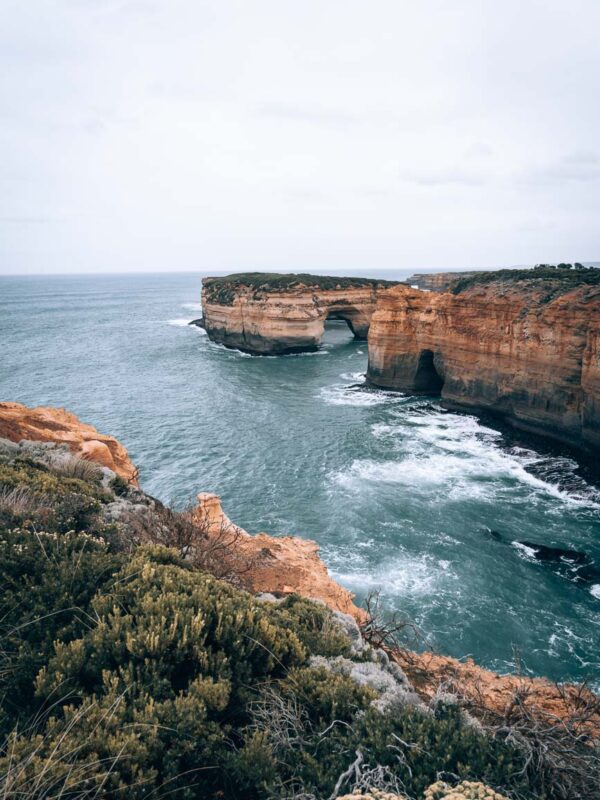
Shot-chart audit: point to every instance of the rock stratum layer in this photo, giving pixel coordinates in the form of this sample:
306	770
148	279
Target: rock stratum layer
266	314
42	424
526	349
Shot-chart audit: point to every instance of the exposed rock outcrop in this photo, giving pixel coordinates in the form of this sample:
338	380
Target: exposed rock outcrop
434	281
269	314
42	424
528	350
279	565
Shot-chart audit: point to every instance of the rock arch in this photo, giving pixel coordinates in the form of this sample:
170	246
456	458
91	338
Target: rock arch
356	319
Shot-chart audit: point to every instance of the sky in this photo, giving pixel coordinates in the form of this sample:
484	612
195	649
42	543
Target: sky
171	135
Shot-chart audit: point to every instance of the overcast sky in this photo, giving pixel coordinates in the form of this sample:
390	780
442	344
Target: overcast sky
297	134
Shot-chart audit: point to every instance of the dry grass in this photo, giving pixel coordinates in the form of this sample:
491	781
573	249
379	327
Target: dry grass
209	549
562	752
20	501
70	466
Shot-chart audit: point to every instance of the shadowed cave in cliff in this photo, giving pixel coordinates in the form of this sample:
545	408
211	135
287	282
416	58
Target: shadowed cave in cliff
427	378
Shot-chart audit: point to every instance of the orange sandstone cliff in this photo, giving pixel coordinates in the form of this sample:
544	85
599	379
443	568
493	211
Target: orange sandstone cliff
42	424
279	565
264	314
528	350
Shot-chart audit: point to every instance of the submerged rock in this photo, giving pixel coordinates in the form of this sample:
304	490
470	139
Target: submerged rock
577	567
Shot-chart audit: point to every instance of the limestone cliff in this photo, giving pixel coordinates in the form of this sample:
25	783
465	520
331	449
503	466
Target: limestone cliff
264	313
41	424
526	349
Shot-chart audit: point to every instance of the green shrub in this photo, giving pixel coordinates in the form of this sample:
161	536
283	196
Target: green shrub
119	486
161	683
58	502
223	290
157	688
48	581
412	744
557	279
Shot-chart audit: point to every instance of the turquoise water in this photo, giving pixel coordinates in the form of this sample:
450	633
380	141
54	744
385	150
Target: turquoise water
402	496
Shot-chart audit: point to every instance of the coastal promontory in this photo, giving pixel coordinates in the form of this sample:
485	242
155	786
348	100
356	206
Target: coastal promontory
524	344
272	314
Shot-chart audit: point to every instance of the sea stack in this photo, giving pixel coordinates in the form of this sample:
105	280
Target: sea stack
271	314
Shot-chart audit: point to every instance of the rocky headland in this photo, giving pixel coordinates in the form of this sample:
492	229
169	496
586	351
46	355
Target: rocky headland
523	344
272	568
271	314
41	424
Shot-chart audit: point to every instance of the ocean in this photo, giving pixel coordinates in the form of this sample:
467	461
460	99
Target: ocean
428	507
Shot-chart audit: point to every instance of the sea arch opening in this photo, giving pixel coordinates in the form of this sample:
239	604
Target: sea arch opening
353	317
427	379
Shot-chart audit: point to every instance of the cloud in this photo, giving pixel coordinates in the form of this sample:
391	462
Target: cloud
311	115
576	167
443	176
25	220
479	150
262	133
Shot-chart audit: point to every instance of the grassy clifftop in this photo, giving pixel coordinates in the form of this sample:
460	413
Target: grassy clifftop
222	289
560	279
129	670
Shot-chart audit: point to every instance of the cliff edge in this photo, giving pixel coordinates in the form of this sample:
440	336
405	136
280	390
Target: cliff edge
43	424
521	345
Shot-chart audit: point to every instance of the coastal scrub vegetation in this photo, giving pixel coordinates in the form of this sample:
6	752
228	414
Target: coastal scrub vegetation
559	278
129	670
222	290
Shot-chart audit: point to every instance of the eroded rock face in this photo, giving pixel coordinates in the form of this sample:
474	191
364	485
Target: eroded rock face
280	565
272	320
41	424
519	350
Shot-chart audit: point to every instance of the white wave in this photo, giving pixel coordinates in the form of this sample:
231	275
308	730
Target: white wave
356	377
452	478
407	577
192	306
595	590
302	355
528	552
179	323
232	351
444	448
345	395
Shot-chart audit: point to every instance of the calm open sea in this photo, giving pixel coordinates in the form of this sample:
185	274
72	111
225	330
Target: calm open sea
426	505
